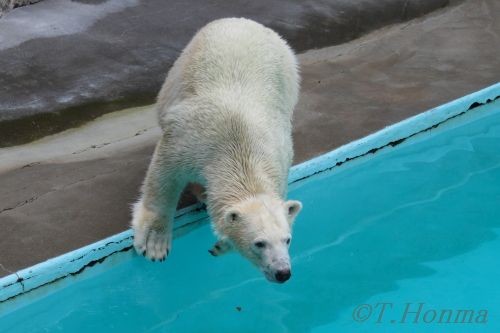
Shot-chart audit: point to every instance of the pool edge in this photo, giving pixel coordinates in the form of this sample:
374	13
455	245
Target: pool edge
74	262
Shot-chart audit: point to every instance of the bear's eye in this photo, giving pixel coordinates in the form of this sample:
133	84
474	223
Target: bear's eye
260	244
288	241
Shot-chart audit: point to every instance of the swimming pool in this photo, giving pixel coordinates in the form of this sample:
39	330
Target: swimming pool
409	218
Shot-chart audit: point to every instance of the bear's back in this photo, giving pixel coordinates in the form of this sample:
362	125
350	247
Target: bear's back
235	57
241	52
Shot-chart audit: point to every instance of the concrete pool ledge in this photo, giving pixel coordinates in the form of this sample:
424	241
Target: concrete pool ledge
75	262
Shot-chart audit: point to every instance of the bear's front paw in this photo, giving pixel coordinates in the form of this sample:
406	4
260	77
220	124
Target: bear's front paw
153	244
152	238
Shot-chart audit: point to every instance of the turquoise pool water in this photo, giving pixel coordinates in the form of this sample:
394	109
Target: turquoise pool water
417	223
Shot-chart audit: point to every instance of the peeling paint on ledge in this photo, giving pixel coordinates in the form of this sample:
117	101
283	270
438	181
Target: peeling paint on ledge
75	262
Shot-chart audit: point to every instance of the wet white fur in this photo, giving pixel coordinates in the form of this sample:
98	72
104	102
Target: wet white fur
225	110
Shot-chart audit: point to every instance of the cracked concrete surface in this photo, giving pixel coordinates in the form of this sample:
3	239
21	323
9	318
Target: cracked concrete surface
75	187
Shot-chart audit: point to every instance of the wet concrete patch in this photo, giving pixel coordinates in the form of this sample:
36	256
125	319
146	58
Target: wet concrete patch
21	130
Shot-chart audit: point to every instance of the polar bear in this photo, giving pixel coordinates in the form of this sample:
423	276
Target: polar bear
225	110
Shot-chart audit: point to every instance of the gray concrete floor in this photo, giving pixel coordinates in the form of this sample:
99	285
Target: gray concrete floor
76	187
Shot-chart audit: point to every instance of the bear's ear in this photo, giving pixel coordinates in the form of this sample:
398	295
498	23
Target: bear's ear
232	216
292	208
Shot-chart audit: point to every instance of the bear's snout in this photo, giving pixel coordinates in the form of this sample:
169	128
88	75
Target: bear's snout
283	275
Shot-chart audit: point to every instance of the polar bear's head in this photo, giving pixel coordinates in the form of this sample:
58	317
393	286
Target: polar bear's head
260	229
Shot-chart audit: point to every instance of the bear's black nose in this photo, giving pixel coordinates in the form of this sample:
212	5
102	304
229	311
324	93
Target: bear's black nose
282	275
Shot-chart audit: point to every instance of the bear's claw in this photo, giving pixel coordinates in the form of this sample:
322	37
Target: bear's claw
154	245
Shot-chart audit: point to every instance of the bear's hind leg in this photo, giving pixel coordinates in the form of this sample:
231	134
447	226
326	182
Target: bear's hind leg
199	192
